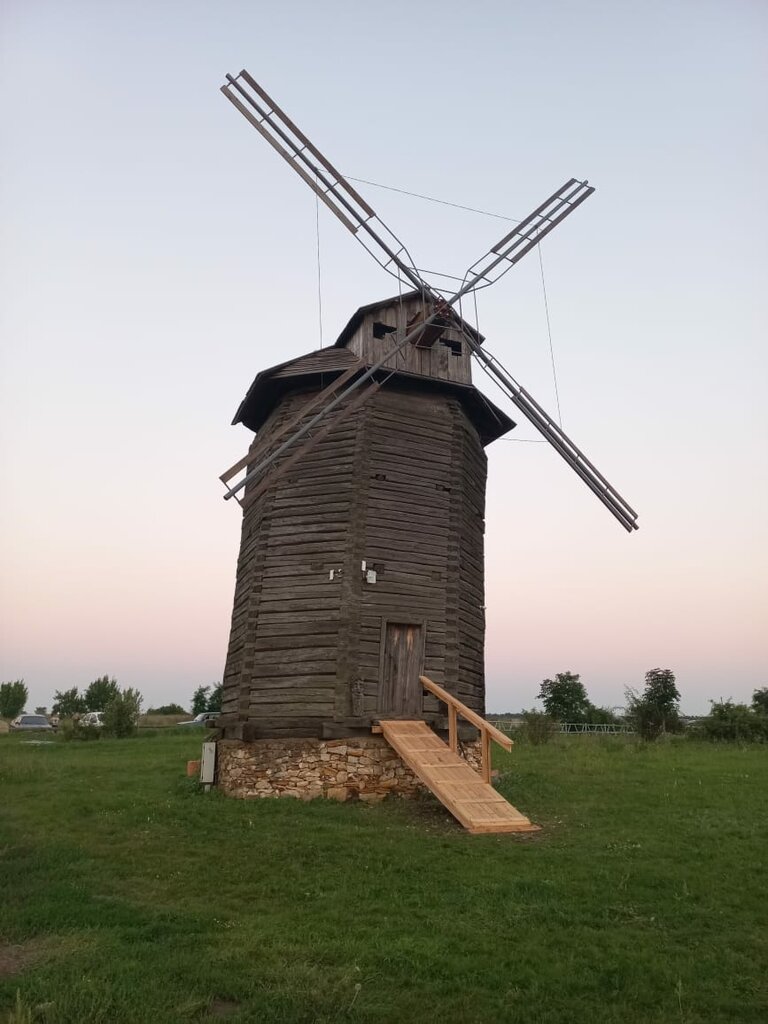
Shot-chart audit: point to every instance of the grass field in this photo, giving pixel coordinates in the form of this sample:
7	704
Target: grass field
127	895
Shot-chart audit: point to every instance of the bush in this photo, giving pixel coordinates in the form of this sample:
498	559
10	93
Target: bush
732	722
537	727
13	697
600	716
121	715
657	710
70	729
68	703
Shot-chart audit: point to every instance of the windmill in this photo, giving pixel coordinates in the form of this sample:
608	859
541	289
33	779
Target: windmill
359	597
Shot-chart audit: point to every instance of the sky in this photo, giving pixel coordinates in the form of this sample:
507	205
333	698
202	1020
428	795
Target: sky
156	254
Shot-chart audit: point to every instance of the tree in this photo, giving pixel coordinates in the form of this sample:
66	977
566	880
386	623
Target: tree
736	722
200	700
167	709
537	728
100	692
600	716
564	697
13	698
121	715
760	700
657	709
68	703
214	701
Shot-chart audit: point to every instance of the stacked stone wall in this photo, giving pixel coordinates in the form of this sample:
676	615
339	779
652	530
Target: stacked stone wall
364	768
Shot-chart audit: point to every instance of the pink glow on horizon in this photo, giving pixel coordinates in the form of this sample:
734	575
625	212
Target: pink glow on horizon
144	285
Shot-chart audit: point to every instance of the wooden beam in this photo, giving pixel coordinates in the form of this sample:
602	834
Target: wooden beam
306	446
471	716
294	422
485	746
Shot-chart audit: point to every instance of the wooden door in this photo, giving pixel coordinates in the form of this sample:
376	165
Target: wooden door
400	693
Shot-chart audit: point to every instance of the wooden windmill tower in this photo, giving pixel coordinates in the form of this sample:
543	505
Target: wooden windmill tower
359	600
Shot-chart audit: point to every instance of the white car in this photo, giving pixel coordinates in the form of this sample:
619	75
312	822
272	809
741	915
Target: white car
93	720
204	718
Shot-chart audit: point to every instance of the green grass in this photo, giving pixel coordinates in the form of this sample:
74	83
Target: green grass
129	896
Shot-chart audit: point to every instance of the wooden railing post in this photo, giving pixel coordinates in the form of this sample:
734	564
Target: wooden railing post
485	746
453	737
488	732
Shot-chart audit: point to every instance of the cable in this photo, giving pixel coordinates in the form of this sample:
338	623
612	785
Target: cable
497	216
319	286
549	333
431	199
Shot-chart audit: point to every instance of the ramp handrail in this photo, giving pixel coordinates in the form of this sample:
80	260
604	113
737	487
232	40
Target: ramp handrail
488	732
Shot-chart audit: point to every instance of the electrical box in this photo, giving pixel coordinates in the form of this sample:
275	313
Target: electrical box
208	764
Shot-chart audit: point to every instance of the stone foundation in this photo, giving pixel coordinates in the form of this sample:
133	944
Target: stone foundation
364	768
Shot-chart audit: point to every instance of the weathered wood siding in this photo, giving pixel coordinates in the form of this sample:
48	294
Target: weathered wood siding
288	639
439	361
400	484
424	536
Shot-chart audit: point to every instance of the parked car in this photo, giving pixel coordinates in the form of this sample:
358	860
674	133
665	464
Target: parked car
92	720
204	718
27	723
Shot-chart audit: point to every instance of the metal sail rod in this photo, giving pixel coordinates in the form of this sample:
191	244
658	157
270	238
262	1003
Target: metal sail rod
264	463
558	197
298	154
338	195
526	235
310	146
559	440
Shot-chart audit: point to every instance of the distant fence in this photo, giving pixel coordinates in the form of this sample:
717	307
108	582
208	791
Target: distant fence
511	725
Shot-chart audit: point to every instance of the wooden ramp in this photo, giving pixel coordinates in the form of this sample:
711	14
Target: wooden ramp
474	803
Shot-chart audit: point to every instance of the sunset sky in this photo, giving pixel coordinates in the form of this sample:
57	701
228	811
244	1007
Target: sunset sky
156	254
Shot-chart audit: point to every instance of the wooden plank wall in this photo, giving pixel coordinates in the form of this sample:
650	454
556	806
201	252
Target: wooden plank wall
437	361
284	647
468	526
401	485
426	469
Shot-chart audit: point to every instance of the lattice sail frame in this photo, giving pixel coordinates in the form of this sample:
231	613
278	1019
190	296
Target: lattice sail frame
255	104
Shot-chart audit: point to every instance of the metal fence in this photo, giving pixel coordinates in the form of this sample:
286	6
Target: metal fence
511	725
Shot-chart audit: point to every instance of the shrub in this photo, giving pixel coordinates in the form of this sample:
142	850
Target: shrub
68	703
71	729
13	697
732	722
600	716
537	727
657	710
121	715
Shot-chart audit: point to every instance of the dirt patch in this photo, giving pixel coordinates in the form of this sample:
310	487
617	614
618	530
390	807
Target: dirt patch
16	959
223	1007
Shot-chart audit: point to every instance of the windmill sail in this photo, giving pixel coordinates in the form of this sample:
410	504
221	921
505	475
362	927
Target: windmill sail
389	252
322	177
